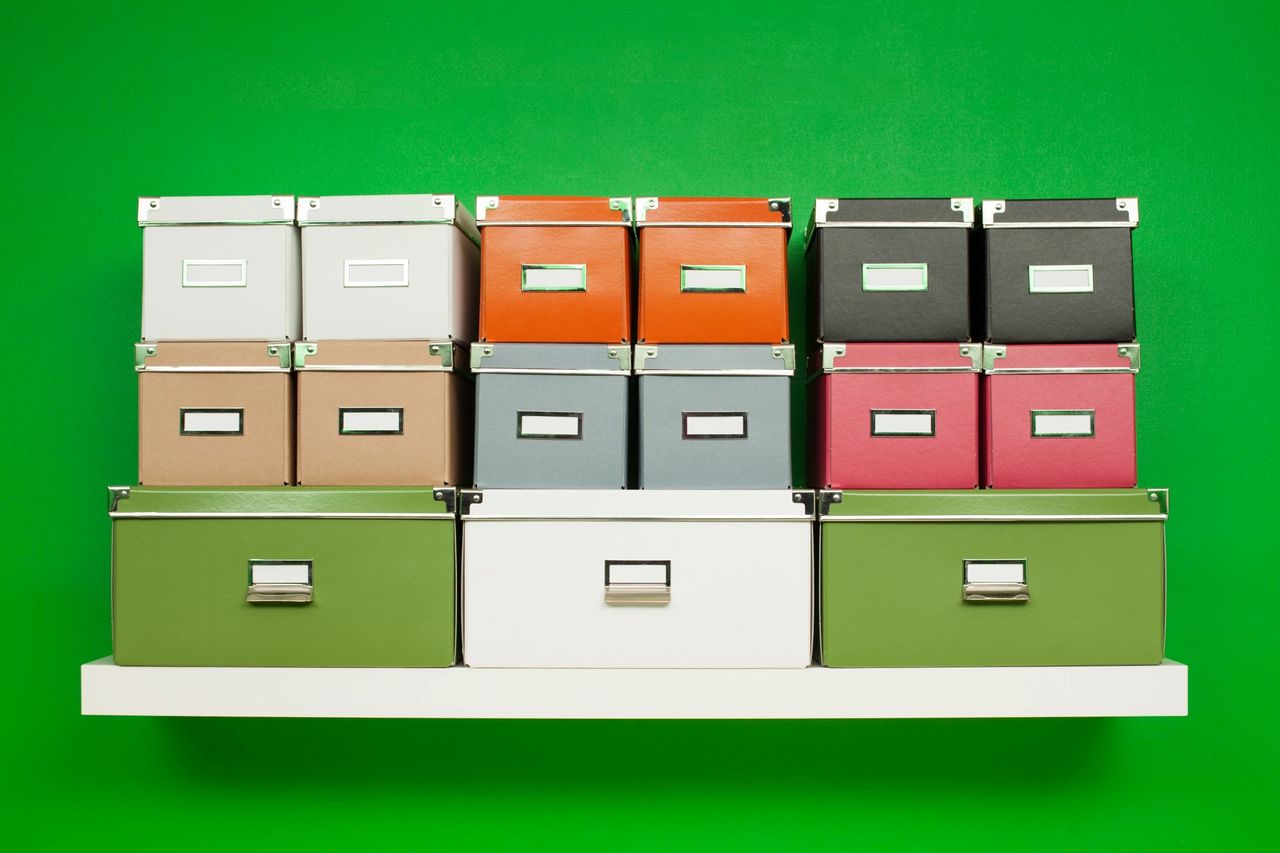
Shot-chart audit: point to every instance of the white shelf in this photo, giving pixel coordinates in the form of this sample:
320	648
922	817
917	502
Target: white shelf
460	692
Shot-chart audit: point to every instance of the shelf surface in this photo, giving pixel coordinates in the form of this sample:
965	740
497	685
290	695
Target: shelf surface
461	692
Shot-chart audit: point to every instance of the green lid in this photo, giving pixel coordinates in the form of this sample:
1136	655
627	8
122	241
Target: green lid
143	501
996	504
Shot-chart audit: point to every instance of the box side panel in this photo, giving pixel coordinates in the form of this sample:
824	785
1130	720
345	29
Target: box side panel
740	594
465	272
383	593
1095	594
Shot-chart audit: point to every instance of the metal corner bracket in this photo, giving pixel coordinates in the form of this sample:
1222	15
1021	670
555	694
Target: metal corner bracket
1132	352
827	497
479	352
963	206
990	353
483	203
623	204
449	497
1161	497
622	354
643	204
115	494
142	352
301	350
281	351
830	352
644	352
467	498
444	349
991	207
974	352
806	498
787	353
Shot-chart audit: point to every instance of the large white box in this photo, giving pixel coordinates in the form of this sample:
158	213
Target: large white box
637	578
220	268
389	267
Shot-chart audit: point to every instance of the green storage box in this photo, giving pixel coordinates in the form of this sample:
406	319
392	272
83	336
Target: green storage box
283	576
992	578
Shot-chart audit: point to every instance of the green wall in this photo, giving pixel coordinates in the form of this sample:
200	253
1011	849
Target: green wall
1175	103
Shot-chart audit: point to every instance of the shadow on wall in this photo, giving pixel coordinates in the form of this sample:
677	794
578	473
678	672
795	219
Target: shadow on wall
443	756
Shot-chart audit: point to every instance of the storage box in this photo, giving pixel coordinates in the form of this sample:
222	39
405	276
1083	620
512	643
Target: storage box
555	269
1060	271
551	416
713	270
283	577
715	417
1060	416
382	413
896	416
637	579
889	269
222	268
984	578
214	414
390	267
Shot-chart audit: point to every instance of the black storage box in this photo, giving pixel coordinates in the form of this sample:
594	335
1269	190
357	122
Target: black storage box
1059	271
889	269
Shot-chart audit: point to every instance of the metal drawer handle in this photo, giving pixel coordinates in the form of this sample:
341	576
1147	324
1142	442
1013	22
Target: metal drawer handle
280	582
999	581
637	583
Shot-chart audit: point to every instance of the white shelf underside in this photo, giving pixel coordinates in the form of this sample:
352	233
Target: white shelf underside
461	692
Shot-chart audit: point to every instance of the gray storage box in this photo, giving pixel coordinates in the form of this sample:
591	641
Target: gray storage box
551	416
715	417
220	268
389	267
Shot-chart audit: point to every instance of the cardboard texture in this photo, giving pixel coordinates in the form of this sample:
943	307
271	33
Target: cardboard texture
894	567
215	414
382	587
415	410
555	269
889	269
913	428
713	270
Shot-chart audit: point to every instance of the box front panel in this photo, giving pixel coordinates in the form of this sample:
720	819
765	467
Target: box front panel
376	429
713	285
637	594
382	592
379	282
551	431
894	284
215	429
556	284
1069	431
715	432
902	431
893	594
1059	284
220	282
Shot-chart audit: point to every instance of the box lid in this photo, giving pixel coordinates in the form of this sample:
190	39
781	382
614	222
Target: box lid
279	502
995	505
212	357
1060	213
714	212
611	359
889	213
897	358
636	504
1061	358
417	209
552	210
379	356
216	210
716	359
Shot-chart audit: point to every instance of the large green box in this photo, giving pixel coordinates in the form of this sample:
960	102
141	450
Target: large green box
283	576
1071	578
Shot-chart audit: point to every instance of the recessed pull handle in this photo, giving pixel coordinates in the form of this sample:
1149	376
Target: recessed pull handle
996	581
637	583
280	582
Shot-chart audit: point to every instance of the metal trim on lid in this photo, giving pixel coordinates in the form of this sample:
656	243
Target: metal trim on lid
781	205
992	207
992	352
830	352
491	202
620	353
451	212
149	212
443	349
785	353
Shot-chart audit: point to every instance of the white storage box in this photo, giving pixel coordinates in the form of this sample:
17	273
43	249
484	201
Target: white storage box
220	268
389	267
637	578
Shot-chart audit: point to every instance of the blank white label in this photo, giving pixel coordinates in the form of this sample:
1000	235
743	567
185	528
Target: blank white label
1062	278
902	423
550	425
895	277
376	274
553	277
732	425
372	421
280	572
214	273
713	279
1062	424
1009	572
647	573
200	422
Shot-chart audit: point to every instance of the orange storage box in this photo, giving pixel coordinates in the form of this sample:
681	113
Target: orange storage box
555	269
713	270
